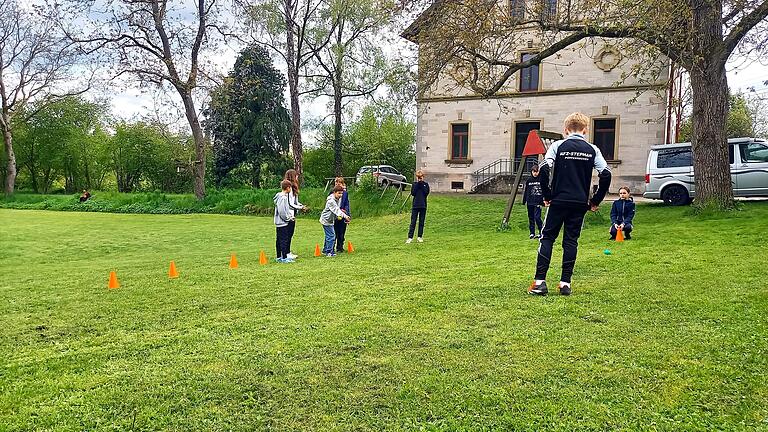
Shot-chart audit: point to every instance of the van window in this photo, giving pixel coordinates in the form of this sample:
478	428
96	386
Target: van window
365	170
675	157
753	152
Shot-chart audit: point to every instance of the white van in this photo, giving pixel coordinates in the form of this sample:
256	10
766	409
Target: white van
669	171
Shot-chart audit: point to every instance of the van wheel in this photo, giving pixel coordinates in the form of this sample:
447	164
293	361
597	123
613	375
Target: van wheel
676	195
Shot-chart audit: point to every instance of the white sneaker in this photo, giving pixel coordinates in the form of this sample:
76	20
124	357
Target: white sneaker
408	241
421	240
292	255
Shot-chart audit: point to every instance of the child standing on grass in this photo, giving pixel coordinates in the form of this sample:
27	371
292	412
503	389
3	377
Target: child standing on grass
293	201
419	192
571	162
340	224
328	217
622	213
533	198
283	217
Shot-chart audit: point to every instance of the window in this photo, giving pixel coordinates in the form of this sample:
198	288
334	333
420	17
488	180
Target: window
675	157
459	140
548	10
457	185
517	9
604	133
529	77
753	152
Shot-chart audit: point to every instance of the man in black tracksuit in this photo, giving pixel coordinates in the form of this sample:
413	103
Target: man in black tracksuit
568	163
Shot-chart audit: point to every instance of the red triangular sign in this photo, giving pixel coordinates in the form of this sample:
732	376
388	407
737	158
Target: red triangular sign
533	145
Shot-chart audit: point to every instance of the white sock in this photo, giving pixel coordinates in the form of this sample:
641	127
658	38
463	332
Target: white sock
565	284
539	281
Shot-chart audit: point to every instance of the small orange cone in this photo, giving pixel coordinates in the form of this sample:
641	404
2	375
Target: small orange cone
317	250
619	236
172	272
113	283
350	248
262	258
233	262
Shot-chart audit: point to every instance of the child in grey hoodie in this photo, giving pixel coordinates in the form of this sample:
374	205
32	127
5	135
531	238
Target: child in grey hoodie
283	216
328	217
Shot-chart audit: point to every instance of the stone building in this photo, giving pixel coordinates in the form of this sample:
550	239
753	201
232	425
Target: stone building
461	134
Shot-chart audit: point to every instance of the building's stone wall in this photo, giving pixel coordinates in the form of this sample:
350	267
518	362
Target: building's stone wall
639	125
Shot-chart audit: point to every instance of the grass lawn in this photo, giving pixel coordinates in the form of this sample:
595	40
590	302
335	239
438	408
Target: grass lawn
668	333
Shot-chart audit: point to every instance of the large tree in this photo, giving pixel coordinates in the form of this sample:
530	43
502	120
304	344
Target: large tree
247	118
353	64
477	43
37	64
295	31
158	42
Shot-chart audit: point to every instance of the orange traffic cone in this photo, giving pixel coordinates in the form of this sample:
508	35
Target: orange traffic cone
619	235
350	248
262	258
317	250
113	283
172	272
233	262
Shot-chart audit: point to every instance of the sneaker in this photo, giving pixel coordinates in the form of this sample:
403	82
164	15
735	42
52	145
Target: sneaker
292	255
279	260
612	238
627	237
288	260
420	240
540	289
330	255
532	236
565	289
408	241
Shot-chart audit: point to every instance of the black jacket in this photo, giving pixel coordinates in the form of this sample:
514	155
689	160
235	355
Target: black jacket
532	192
569	164
623	211
419	192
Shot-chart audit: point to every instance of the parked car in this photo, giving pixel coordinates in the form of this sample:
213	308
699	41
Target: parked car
670	177
384	174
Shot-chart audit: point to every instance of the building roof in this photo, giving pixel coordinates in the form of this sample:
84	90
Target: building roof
412	32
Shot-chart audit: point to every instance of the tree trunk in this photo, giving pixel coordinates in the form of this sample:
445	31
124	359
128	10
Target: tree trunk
337	162
709	143
709	86
293	87
197	134
10	175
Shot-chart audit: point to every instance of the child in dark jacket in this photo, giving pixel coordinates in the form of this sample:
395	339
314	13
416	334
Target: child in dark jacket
533	198
340	225
622	213
419	192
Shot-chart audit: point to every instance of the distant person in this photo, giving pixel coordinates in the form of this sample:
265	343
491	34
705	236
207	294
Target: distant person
293	200
419	192
283	216
328	217
85	196
340	224
533	198
569	162
622	213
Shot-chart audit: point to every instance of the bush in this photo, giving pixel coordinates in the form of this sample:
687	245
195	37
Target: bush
364	203
368	184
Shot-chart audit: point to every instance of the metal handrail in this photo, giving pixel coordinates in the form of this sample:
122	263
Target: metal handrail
495	169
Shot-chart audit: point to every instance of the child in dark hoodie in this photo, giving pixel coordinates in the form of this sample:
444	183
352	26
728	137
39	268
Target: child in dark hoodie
283	216
533	198
622	213
419	192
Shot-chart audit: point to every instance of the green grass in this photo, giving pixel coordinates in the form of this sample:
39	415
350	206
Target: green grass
667	333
